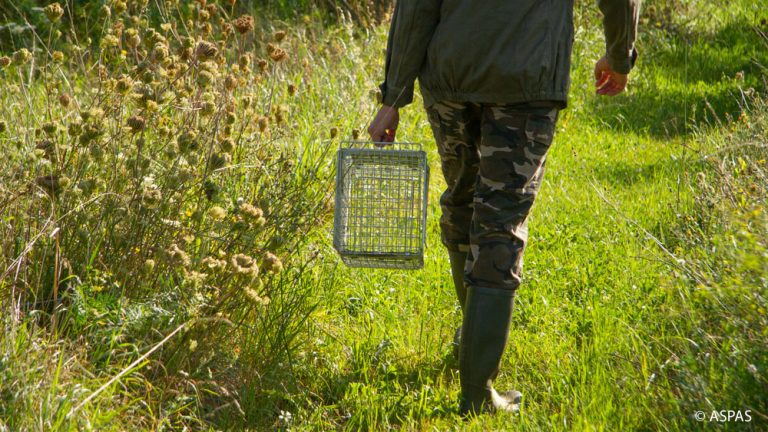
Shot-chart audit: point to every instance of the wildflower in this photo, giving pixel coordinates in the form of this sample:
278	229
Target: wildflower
250	211
22	56
244	265
57	56
243	24
272	263
136	123
54	12
148	266
205	50
178	256
217	213
151	196
279	35
5	61
192	345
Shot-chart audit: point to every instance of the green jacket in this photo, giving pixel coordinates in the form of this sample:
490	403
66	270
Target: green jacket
494	51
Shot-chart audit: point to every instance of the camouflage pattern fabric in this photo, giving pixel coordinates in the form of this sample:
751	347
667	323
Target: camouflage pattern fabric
493	158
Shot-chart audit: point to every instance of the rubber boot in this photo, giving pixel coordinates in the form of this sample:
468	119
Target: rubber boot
458	261
485	331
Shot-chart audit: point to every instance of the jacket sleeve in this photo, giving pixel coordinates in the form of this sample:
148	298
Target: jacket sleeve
413	23
620	18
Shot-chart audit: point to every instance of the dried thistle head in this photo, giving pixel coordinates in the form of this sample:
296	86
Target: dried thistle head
57	57
263	123
244	60
65	100
219	160
250	212
50	128
217	213
136	123
334	132
177	256
244	265
227	145
119	6
53	184
3	126
5	61
243	24
151	196
272	263
278	55
205	50
54	12
279	35
263	64
291	89
22	56
132	38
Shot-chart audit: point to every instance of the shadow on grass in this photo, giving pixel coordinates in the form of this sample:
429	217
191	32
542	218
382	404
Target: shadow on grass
695	75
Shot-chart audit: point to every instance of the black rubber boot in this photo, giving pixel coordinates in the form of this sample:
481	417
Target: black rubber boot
484	334
458	260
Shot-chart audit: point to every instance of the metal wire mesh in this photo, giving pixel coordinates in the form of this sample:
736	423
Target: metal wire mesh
381	204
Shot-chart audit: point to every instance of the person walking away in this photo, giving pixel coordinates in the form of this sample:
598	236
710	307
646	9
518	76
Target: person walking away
494	75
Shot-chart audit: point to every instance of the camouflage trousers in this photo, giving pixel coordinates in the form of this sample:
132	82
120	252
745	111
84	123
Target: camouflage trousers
493	159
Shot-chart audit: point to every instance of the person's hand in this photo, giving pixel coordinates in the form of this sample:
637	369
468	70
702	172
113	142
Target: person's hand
384	125
607	81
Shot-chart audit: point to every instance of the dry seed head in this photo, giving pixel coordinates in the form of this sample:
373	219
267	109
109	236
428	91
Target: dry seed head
250	211
50	128
230	82
136	123
205	50
355	133
279	35
213	264
272	263
178	256
263	123
217	213
219	160
54	12
262	64
291	89
255	298
245	60
203	15
105	11
132	38
227	145
3	126
22	56
57	56
278	55
5	61
65	100
119	6
148	266
151	196
243	24
244	265
53	184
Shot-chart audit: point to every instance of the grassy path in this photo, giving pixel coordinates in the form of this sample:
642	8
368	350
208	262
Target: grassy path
589	325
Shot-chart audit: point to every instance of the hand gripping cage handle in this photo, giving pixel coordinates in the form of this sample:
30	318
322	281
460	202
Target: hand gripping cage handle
381	204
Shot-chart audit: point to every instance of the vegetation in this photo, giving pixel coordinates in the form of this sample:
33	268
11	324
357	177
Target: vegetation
165	201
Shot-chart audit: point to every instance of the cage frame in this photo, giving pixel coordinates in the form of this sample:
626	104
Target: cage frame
409	260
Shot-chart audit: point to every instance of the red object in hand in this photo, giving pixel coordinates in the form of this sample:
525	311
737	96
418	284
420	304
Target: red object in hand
389	135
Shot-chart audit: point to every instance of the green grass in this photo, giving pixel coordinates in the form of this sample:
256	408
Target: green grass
610	332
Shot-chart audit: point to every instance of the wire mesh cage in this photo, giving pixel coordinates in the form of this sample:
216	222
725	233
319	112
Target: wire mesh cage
381	204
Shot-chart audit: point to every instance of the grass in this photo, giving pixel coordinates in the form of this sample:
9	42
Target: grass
610	332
